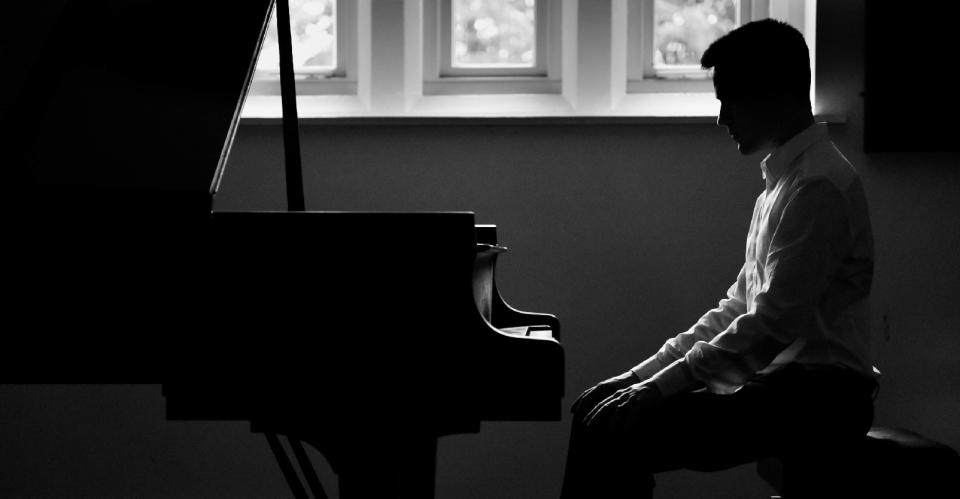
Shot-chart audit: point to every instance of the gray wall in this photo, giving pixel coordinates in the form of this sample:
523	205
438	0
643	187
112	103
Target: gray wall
626	232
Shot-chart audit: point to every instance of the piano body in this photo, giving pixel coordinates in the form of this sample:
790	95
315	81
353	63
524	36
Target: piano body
365	334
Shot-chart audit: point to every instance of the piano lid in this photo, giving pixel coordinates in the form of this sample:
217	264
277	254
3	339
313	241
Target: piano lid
139	95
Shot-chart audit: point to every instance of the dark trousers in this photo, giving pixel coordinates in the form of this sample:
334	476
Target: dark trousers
797	413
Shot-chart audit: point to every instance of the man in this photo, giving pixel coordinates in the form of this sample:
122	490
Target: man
782	366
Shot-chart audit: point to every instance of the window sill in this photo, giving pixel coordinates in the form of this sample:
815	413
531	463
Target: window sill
650	108
664	85
465	85
268	108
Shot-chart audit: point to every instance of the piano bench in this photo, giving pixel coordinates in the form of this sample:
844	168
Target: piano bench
885	463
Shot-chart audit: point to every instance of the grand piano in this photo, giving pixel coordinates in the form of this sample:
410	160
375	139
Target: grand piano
367	335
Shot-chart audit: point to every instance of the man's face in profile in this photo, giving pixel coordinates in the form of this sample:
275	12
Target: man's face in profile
751	119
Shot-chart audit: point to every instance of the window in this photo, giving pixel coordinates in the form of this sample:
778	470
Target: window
683	30
492	38
509	58
491	46
323	52
668	37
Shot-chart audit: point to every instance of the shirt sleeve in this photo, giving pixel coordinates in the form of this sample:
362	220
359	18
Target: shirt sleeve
711	324
804	251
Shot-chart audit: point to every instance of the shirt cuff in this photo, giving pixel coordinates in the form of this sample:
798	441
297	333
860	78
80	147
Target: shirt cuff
646	369
674	379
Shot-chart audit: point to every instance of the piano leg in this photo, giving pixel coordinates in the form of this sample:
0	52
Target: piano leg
306	467
286	467
397	470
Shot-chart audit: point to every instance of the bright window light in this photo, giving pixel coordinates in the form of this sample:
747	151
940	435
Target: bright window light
494	34
683	29
314	35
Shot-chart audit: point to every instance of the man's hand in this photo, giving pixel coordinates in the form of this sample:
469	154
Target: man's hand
594	395
617	410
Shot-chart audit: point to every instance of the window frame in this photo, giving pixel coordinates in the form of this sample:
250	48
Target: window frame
339	80
445	46
642	74
440	77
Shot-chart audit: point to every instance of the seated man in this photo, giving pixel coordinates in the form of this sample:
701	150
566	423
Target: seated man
782	366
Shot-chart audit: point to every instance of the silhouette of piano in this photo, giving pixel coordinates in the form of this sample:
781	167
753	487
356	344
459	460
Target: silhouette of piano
367	335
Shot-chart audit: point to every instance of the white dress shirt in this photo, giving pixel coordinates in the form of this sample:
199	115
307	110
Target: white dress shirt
802	293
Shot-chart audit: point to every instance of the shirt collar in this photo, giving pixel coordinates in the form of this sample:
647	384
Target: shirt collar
778	162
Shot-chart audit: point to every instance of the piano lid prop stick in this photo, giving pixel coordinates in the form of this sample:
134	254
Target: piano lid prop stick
288	96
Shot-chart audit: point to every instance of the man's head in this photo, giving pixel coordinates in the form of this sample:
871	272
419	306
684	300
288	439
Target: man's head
761	73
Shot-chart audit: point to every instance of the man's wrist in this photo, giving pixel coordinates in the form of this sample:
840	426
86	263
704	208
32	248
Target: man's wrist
675	378
646	369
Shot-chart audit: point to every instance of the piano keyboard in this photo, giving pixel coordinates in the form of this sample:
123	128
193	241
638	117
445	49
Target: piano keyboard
531	331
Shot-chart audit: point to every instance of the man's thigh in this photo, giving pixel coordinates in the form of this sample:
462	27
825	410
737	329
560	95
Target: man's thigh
769	415
702	431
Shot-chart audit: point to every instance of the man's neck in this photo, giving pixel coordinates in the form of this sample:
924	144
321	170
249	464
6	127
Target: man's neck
791	127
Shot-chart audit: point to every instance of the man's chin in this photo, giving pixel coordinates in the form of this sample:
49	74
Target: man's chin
746	149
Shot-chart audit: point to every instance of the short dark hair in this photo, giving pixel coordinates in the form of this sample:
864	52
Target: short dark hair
761	57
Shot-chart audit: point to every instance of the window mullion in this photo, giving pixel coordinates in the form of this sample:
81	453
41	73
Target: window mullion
346	40
541	27
647	37
619	40
753	10
387	90
594	43
432	39
554	39
445	40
